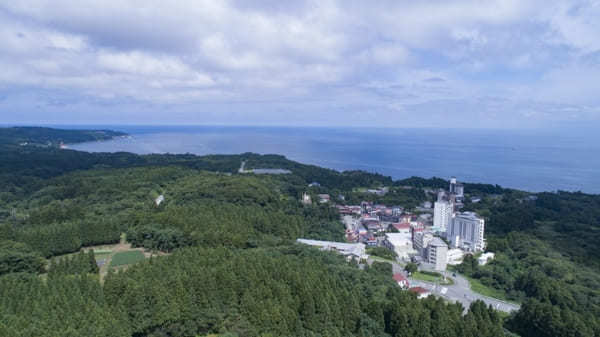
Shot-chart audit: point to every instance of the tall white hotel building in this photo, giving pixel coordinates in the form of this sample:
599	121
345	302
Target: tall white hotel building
442	215
466	231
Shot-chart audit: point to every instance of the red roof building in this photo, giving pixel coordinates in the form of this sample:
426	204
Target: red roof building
401	226
420	291
401	280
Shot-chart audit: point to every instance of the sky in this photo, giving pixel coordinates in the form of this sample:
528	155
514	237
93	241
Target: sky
472	64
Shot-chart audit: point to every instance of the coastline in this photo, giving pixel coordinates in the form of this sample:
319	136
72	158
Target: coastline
514	163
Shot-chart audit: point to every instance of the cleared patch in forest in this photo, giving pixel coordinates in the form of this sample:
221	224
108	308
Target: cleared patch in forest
102	251
125	258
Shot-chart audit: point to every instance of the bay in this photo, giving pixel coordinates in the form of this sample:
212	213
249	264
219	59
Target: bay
530	160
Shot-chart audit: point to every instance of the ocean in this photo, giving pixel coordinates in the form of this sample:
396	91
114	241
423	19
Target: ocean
524	159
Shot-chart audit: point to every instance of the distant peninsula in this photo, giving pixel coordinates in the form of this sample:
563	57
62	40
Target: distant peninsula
49	137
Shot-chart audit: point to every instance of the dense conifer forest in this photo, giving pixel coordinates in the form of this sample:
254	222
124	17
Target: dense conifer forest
224	258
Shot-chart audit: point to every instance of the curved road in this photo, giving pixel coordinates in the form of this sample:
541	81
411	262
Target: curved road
460	291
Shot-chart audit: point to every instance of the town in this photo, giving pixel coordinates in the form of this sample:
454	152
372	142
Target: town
431	237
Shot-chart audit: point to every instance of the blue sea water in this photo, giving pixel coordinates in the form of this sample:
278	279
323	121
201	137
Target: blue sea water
525	159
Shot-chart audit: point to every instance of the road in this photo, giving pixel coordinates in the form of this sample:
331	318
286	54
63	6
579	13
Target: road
242	166
460	291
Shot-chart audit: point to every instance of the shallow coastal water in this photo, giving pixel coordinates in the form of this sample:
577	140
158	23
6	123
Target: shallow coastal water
529	160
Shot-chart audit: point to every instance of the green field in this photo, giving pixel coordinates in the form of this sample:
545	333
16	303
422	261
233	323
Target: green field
432	277
102	256
380	259
125	258
102	251
359	189
482	289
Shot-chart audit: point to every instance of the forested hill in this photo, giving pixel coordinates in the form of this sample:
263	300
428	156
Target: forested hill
225	262
233	267
41	136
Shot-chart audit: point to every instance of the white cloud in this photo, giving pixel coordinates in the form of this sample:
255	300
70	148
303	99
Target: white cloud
140	63
350	56
574	23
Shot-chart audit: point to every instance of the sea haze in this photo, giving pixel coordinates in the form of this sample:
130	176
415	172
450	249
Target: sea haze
528	160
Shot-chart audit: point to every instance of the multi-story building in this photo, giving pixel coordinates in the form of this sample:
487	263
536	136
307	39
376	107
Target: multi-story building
442	215
441	196
421	241
457	189
400	243
466	232
437	254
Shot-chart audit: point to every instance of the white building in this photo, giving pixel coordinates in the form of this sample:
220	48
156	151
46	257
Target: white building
159	200
485	257
437	254
324	198
441	196
401	243
455	256
421	241
351	250
442	215
457	190
466	232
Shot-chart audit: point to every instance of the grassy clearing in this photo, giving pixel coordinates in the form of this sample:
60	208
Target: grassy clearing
101	256
102	251
359	189
125	258
432	277
104	254
482	289
382	253
380	259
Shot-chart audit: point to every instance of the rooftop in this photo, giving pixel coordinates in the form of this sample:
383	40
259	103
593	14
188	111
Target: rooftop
419	290
271	171
398	238
437	242
468	215
399	277
357	249
400	226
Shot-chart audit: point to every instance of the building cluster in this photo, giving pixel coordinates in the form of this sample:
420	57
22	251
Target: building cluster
463	230
380	225
439	239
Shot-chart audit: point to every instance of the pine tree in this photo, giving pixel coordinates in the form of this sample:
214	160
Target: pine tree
92	262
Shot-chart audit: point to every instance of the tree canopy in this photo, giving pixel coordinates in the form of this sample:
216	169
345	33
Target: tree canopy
232	267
